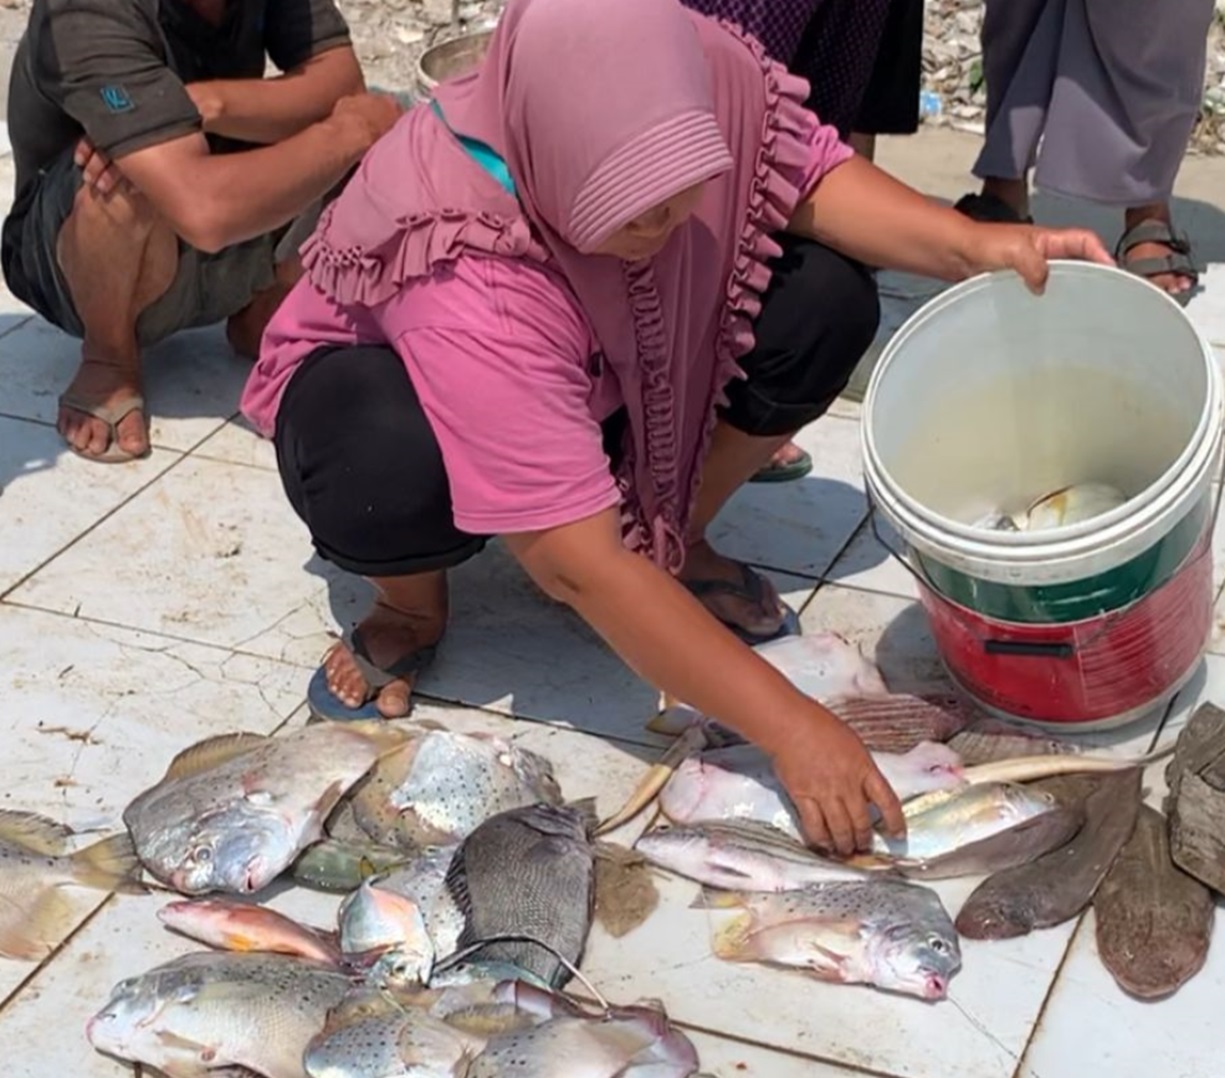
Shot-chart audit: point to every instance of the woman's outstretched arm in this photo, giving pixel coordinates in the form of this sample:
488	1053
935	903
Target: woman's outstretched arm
666	636
864	212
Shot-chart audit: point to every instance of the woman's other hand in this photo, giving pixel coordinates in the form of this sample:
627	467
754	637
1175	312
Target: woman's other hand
1029	250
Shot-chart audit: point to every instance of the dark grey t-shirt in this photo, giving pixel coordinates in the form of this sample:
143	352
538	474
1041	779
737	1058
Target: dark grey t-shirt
115	70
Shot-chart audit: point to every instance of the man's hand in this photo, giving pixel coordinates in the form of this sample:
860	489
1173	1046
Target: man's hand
833	781
209	102
1027	250
370	114
97	170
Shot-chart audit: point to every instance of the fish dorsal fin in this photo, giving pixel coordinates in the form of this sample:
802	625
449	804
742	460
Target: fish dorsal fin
585	809
35	833
456	884
213	752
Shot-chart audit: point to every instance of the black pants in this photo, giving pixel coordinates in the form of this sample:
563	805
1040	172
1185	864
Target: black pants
363	469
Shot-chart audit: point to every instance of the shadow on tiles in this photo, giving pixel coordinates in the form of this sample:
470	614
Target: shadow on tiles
511	649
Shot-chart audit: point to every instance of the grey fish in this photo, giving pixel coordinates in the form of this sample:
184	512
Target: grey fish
973	830
887	933
210	1011
1056	887
338	866
740	855
34	865
372	1035
440	786
528	872
233	812
1154	922
630	1042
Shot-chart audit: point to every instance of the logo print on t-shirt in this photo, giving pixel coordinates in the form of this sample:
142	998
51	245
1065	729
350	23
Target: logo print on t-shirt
116	99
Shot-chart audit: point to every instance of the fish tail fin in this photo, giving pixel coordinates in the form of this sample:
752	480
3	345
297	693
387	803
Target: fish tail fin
31	925
109	865
713	898
586	809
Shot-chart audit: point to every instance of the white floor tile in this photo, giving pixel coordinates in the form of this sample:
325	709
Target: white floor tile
1093	1027
93	715
724	1058
48	497
869	565
238	443
800	527
192	381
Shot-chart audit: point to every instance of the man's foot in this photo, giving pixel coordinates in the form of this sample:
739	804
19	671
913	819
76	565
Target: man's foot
391	640
739	597
1150	248
101	414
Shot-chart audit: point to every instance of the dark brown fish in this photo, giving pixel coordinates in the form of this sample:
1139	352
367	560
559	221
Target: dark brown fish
897	722
1154	922
1058	885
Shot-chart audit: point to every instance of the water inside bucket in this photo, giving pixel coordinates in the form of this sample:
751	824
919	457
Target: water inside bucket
1003	441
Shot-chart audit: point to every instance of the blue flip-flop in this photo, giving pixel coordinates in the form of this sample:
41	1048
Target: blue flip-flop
752	588
325	706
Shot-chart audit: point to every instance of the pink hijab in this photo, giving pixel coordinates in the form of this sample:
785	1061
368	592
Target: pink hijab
601	109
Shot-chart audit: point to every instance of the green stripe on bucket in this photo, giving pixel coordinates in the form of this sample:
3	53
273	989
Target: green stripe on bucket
1076	600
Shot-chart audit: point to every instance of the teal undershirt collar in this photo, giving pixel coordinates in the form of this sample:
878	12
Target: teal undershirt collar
483	156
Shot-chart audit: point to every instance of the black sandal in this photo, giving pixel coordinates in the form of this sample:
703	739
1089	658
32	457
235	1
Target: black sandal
325	706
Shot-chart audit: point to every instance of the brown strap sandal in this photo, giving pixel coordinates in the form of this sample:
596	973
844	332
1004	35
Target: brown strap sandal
1179	261
112	415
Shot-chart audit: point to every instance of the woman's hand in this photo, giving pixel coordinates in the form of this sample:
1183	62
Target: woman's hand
1028	250
832	781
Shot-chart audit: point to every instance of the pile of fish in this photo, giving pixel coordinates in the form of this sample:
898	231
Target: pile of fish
469	885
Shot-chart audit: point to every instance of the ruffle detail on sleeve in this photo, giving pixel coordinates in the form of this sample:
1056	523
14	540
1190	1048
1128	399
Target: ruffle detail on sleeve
365	272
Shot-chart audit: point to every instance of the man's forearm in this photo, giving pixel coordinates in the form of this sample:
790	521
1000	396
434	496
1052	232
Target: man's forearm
865	213
270	110
241	195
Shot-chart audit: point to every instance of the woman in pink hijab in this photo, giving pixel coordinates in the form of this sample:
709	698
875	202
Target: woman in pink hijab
575	302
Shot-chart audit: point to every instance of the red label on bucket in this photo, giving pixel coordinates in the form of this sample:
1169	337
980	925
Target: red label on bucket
1088	672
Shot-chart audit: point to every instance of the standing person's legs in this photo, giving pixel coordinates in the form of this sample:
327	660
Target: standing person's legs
362	468
1021	40
818	318
1125	100
890	104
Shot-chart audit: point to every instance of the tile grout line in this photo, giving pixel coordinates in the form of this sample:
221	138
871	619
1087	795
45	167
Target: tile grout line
1050	992
16	325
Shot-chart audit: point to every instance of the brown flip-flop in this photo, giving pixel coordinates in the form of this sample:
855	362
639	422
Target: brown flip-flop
112	415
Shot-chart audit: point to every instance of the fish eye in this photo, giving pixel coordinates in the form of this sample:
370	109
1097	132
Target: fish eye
202	854
938	945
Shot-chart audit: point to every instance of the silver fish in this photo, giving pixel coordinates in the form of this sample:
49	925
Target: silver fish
373	1035
887	933
214	1010
234	812
741	855
529	872
374	921
976	829
34	865
628	1042
436	789
739	784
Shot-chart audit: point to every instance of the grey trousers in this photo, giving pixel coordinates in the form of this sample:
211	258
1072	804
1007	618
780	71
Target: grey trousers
1098	96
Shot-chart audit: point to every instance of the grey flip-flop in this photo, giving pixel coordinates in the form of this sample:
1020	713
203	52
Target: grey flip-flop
112	415
1179	261
752	588
325	706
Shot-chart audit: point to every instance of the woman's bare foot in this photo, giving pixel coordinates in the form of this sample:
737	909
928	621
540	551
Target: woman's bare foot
103	383
409	616
763	618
